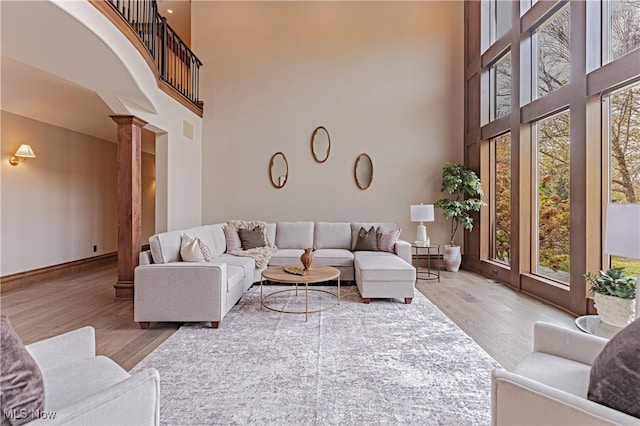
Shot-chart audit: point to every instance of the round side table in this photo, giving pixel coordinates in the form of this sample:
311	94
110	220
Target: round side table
429	274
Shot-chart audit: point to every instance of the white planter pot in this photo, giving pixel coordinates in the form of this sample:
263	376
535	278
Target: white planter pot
452	258
614	310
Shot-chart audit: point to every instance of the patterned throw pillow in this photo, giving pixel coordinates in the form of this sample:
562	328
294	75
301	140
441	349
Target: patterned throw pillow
206	251
387	239
190	249
20	379
367	240
615	377
232	238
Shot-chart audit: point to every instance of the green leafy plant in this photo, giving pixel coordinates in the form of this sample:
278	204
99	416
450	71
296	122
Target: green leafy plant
613	282
466	186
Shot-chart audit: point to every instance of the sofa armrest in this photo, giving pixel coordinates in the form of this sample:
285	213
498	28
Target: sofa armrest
180	291
566	343
65	348
403	250
517	400
145	258
133	401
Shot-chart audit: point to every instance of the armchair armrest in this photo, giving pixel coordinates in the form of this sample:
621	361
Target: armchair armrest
517	400
563	342
133	401
64	348
145	258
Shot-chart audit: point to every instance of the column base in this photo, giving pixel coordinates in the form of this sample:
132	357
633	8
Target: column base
124	290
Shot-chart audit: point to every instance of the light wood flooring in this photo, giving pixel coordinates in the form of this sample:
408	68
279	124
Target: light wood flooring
497	317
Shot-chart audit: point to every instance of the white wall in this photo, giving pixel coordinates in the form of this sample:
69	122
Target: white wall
385	78
57	206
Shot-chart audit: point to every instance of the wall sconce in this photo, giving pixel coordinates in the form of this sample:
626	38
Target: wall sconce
21	155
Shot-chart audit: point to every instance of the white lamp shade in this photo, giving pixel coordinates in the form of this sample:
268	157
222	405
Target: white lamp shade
25	151
422	213
622	232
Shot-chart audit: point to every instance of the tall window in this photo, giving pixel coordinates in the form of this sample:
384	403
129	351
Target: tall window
500	203
553	53
623	34
500	87
624	156
500	18
552	198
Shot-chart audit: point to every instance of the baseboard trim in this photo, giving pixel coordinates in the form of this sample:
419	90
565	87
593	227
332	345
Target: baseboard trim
21	279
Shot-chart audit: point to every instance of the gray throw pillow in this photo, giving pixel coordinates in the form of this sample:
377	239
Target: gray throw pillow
22	395
251	238
367	240
615	374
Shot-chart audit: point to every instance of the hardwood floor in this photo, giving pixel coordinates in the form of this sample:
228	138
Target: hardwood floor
497	317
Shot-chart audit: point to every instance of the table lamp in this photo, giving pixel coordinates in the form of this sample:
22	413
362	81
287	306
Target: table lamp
422	213
622	235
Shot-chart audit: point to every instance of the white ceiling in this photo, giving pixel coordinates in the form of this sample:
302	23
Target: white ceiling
31	92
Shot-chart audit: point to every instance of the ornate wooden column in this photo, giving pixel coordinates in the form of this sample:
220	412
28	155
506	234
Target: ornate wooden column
129	200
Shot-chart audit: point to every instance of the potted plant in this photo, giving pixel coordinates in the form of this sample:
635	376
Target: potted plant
465	185
614	295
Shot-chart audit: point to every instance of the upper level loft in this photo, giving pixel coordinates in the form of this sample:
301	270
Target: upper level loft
176	67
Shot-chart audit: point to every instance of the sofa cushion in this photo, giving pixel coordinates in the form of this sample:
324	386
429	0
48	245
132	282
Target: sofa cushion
204	234
332	235
355	229
382	266
78	380
21	380
367	240
251	238
286	257
270	231
615	376
246	263
165	247
294	235
333	257
219	240
235	274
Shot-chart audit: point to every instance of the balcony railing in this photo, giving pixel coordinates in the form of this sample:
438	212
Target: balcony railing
177	65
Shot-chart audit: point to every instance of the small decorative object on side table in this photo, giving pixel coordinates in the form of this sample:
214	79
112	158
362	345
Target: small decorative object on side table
429	274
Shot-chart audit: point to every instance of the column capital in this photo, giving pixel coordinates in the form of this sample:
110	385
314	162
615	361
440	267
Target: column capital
128	119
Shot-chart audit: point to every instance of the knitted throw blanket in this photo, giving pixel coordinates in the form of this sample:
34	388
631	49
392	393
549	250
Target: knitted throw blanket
260	255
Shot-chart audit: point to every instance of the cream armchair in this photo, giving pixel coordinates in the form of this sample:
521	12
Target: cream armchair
549	386
84	389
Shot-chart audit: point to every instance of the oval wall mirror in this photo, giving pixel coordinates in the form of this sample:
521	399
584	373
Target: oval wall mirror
363	171
278	170
320	144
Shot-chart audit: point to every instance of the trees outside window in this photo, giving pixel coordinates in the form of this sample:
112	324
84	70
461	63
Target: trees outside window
500	87
624	27
553	199
553	53
501	198
624	157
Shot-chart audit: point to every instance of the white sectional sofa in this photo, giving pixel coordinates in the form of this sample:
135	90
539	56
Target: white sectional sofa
168	289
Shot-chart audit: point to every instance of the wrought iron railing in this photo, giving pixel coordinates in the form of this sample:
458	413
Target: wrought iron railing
177	65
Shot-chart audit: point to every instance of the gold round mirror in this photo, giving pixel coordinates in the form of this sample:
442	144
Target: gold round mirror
278	170
363	171
320	144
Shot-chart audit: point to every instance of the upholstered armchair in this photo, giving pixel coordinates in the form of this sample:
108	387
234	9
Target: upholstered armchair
549	386
82	388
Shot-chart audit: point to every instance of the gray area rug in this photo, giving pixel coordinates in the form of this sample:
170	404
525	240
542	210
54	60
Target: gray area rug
385	363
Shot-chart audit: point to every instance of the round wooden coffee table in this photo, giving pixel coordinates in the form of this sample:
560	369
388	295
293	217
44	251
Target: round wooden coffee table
316	274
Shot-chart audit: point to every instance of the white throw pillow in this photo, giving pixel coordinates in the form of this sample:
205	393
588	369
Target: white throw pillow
190	249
